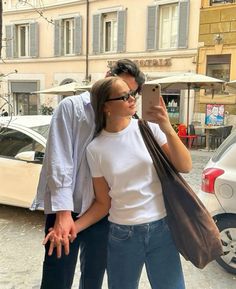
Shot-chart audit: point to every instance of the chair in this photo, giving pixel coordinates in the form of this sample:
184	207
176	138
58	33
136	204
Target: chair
184	136
200	135
219	135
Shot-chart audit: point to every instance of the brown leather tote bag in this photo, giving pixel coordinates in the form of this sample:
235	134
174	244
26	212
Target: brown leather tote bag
194	231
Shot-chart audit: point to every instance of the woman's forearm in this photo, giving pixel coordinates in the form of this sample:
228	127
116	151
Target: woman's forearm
95	213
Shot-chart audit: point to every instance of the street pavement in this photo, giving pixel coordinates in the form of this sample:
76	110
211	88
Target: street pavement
21	252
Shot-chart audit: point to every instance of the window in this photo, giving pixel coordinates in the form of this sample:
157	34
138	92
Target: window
13	142
168	26
26	103
218	66
213	2
109	32
68	36
22	40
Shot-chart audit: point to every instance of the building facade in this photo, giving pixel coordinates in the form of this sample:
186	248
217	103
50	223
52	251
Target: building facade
53	42
217	52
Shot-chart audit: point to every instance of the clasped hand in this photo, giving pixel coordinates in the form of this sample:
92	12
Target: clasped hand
57	242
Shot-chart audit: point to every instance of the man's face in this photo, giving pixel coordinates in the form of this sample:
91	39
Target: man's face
130	81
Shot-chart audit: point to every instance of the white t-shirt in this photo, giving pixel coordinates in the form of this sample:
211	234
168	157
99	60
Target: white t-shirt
123	160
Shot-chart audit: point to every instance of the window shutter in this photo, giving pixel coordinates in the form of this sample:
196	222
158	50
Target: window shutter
97	33
78	35
152	27
183	24
9	41
58	38
121	30
34	39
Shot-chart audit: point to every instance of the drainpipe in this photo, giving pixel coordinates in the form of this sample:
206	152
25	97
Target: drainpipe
87	44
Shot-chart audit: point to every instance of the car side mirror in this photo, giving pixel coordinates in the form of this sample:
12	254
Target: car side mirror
30	156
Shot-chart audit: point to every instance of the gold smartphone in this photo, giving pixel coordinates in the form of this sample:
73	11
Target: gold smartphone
150	97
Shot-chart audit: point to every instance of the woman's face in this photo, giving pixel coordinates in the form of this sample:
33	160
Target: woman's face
120	107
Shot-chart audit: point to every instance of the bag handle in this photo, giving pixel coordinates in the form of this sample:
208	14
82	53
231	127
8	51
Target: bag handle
164	168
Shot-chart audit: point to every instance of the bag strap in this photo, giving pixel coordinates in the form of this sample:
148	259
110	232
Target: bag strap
163	166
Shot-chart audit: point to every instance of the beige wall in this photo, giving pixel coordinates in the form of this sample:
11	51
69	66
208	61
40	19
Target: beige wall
51	71
217	20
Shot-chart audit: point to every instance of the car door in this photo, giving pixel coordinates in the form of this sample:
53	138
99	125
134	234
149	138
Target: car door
18	178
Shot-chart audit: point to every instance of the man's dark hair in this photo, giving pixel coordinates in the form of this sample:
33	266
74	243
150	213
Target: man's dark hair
129	67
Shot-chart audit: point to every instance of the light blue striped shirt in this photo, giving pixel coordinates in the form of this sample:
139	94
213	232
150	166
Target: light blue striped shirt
65	182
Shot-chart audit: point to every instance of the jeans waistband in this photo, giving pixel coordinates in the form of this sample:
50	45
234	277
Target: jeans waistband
143	226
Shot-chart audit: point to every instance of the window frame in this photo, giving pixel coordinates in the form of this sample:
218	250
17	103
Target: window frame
21	43
172	26
112	43
69	39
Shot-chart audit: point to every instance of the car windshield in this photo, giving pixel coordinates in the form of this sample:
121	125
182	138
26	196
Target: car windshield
42	129
225	146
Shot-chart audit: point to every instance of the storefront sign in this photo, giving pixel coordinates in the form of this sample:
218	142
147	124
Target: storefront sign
155	62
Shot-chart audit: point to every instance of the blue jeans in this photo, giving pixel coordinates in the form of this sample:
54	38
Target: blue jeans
92	243
130	247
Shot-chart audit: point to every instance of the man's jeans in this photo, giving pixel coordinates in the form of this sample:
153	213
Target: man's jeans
92	242
130	247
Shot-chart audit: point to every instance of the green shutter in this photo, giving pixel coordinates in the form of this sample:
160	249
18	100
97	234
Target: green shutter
97	33
121	30
9	41
183	24
78	35
152	27
58	38
34	39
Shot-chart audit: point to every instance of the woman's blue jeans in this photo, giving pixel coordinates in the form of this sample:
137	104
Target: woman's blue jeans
130	247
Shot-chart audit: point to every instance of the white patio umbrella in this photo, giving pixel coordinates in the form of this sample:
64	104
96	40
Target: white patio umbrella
231	86
66	89
188	81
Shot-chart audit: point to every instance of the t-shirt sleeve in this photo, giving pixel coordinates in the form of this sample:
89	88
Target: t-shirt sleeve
158	133
93	162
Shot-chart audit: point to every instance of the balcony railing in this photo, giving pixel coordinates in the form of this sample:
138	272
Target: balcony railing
213	2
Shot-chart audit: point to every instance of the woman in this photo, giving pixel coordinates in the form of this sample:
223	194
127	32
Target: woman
126	185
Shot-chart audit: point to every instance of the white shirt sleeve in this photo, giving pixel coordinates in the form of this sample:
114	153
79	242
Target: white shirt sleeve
158	133
94	166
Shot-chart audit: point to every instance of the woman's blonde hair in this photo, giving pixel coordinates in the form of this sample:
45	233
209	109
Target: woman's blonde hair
100	92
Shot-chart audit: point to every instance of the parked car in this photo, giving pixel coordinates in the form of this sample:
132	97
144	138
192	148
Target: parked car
22	147
218	193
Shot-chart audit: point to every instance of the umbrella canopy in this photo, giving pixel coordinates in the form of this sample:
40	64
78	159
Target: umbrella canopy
231	86
188	81
66	89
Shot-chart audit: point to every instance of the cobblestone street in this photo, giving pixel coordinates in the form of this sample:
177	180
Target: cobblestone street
21	252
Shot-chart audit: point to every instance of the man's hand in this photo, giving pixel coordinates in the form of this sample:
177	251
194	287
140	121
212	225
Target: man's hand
62	233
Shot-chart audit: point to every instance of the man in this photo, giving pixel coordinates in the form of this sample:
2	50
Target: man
65	190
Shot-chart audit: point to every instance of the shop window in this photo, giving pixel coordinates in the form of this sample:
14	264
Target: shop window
172	104
26	103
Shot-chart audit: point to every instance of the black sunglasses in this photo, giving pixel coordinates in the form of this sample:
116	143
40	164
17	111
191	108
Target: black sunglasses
125	97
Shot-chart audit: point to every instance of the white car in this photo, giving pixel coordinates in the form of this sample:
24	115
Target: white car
22	147
218	193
